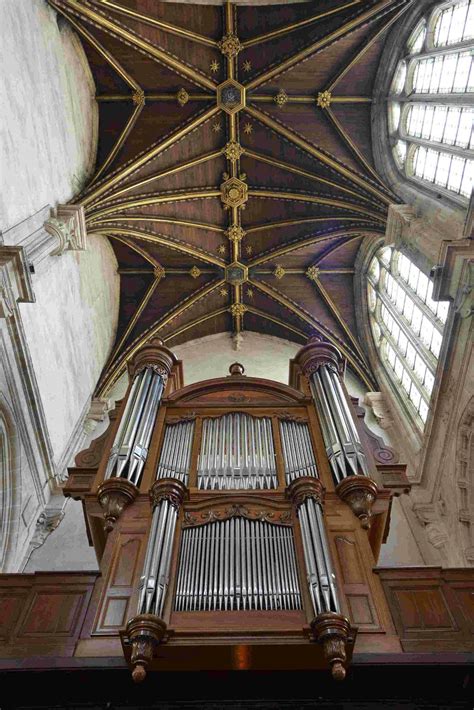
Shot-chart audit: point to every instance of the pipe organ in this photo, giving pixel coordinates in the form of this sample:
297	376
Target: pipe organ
252	536
237	452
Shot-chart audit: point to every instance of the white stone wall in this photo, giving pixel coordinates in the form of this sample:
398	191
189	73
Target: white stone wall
70	330
49	115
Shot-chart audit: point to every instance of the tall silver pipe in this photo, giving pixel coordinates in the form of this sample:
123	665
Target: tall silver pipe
298	455
175	454
236	564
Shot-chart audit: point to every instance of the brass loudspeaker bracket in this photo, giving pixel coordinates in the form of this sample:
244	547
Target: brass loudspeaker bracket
359	492
114	495
333	631
144	633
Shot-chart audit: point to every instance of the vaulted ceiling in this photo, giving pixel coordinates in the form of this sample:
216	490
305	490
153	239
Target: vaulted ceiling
235	176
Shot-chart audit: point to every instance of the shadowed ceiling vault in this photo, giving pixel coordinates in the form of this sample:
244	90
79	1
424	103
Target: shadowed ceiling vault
235	175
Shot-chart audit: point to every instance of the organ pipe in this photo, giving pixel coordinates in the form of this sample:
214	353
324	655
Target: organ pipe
341	439
237	564
167	495
175	454
237	452
130	448
298	455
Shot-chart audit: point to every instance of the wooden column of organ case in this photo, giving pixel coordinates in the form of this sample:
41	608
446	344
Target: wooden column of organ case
235	518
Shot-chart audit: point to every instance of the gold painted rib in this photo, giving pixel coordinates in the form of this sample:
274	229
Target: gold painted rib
316	153
196	321
163	240
133	321
165	173
345	137
293	99
121	174
152	97
165	26
338	317
298	197
151	200
116	369
365	46
353	232
119	142
296	25
316	46
292	222
314	323
100	49
303	173
159	220
277	321
134	40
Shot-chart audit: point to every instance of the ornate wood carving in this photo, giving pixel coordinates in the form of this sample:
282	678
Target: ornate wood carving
317	353
305	487
145	632
281	517
382	453
333	632
155	355
168	489
114	495
359	492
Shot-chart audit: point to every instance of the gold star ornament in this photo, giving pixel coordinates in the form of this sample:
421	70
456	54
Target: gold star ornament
214	66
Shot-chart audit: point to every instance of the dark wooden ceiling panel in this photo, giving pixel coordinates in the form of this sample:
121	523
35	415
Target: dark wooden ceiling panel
195	177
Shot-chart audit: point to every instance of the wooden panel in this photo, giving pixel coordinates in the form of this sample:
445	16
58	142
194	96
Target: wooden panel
42	613
433	609
115	605
356	589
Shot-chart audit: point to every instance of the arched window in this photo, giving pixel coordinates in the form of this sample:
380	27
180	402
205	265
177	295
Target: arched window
431	101
407	327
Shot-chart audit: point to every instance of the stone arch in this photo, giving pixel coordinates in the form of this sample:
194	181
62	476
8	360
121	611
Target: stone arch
465	480
10	486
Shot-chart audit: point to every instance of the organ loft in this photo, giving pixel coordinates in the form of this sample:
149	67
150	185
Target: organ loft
236	355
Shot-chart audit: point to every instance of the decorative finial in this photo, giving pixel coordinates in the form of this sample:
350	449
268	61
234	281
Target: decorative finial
236	369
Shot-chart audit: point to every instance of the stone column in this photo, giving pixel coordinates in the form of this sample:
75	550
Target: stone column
149	370
324	366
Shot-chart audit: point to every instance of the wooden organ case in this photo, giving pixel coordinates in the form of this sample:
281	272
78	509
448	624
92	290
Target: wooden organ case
235	518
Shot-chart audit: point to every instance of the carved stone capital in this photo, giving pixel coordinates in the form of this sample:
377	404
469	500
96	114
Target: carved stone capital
145	632
398	220
168	489
47	522
305	487
317	353
155	355
114	495
333	631
15	282
381	411
68	225
359	492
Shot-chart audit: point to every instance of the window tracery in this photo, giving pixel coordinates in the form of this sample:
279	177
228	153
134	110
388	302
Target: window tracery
407	327
431	104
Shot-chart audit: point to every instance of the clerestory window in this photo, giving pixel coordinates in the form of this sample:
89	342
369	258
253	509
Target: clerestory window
431	101
407	327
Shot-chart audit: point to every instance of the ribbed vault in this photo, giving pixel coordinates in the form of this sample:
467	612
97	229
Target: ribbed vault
235	175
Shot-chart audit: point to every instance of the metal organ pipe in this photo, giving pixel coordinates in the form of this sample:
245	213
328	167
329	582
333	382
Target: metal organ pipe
237	564
175	457
237	452
130	448
341	439
298	456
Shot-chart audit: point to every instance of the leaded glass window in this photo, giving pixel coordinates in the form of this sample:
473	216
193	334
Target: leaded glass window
431	101
407	327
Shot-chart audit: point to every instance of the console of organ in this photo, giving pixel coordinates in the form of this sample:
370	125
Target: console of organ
253	487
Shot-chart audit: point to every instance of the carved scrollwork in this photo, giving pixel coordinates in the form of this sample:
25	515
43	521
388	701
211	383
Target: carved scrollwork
305	487
181	418
237	511
291	417
168	489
